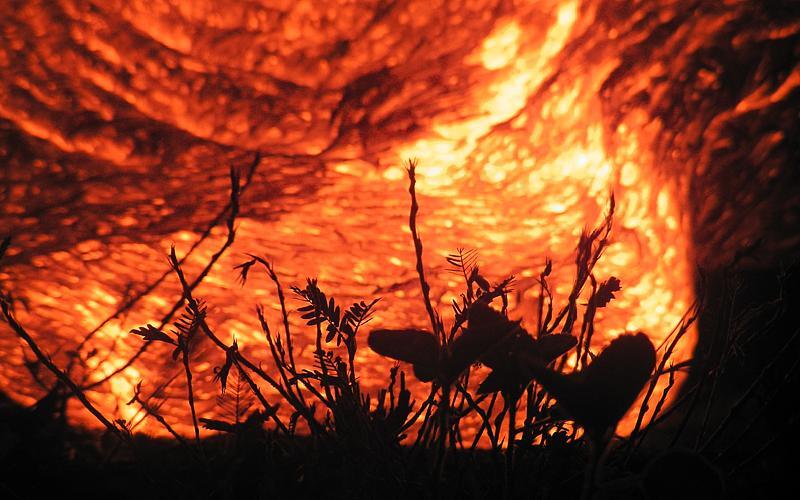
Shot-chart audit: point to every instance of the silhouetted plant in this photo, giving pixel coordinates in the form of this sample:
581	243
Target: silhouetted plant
185	329
596	397
552	371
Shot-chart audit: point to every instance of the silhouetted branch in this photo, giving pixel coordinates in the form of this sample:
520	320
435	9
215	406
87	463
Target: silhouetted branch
233	210
230	210
48	363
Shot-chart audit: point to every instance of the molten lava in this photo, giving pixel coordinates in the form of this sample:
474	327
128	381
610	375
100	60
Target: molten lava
119	121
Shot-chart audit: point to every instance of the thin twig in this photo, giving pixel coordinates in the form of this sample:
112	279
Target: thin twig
737	407
187	291
412	223
778	435
731	444
269	409
48	363
689	317
190	389
234	212
128	304
159	418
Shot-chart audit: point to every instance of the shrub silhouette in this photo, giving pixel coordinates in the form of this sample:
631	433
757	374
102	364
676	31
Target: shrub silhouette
351	437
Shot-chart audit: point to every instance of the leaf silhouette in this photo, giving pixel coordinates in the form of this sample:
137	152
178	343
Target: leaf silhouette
418	347
605	292
510	363
237	400
463	261
548	348
217	425
485	329
222	372
151	333
598	396
244	270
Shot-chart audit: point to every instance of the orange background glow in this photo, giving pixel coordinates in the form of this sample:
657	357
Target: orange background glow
126	116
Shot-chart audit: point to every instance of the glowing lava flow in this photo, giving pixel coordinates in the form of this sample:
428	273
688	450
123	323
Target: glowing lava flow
506	117
532	170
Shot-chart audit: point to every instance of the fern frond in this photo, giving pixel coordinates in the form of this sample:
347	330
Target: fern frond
237	400
463	261
189	321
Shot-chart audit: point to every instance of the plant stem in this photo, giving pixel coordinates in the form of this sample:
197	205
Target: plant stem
190	389
512	428
412	223
47	362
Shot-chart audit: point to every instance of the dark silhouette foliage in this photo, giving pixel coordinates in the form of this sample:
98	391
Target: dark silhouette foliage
510	411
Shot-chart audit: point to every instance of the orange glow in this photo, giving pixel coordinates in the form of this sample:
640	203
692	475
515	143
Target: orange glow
136	110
